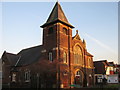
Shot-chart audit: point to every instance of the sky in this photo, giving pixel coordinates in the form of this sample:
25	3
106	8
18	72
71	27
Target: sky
97	23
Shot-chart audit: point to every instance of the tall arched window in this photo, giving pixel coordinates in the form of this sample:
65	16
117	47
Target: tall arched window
64	57
78	55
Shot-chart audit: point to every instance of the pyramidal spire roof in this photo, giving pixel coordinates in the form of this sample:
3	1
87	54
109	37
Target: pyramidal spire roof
57	15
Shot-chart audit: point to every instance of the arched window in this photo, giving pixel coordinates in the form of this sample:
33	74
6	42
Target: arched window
65	30
64	57
50	31
78	55
50	56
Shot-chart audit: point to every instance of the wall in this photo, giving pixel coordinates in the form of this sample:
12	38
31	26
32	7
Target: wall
112	78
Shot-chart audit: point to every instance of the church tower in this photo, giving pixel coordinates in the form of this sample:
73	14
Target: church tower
57	31
57	39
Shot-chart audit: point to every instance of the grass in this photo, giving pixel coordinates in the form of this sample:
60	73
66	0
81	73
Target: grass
112	86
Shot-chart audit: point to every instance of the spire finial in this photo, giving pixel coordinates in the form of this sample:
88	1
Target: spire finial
76	31
84	42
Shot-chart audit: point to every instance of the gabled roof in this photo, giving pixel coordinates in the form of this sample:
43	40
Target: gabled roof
29	55
105	62
88	54
111	64
57	15
76	36
24	57
10	57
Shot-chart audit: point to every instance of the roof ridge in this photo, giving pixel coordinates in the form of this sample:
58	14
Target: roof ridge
10	53
29	48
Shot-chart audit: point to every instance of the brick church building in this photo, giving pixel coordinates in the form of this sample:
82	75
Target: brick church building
61	61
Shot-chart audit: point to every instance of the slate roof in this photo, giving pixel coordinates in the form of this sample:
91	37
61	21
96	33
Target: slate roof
111	64
105	62
24	57
12	58
89	54
30	55
57	15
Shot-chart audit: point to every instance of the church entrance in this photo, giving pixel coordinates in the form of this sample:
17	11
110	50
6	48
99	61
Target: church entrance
78	78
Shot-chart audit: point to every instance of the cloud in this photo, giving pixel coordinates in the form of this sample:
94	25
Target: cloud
100	43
